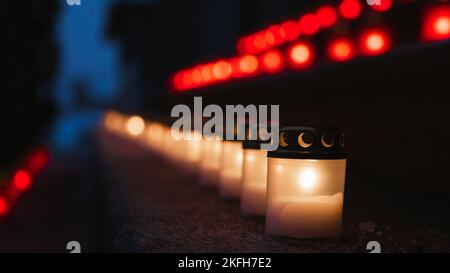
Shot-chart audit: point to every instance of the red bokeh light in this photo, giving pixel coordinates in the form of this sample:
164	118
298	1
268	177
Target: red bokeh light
187	80
270	38
291	29
436	24
259	42
279	34
22	180
300	55
382	6
374	42
38	160
272	61
341	50
248	64
221	70
3	206
197	76
242	45
327	16
206	73
350	9
177	81
309	24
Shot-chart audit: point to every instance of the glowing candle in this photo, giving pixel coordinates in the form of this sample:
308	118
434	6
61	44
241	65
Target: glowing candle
192	151
210	161
135	126
169	146
113	121
155	136
254	182
231	169
306	177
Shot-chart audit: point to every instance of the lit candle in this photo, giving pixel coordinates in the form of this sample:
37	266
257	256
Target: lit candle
254	181
231	169
135	126
169	144
155	136
192	151
210	161
113	121
306	177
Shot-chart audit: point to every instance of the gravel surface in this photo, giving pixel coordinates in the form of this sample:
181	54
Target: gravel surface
156	207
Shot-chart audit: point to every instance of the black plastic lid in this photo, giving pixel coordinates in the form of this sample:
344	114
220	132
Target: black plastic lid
310	143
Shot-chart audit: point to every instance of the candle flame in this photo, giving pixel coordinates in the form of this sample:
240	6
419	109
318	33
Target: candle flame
279	168
135	125
307	179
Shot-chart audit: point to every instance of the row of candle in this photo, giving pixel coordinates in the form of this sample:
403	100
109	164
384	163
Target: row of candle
300	197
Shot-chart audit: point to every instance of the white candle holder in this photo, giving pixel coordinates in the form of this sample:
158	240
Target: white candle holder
155	136
210	161
306	177
231	169
193	151
254	182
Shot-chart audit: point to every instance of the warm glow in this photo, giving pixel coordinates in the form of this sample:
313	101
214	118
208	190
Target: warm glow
436	23
304	197
186	80
341	50
442	25
259	41
197	76
248	64
300	54
270	38
211	151
242	45
177	81
206	73
38	160
272	61
155	135
279	34
309	24
135	125
112	120
327	16
254	182
382	6
350	9
307	179
374	42
22	180
279	168
291	29
3	206
231	169
221	70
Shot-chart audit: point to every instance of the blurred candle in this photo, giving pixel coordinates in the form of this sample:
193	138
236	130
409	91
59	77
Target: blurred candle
193	151
231	169
155	136
176	149
210	161
113	121
254	182
306	177
135	126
